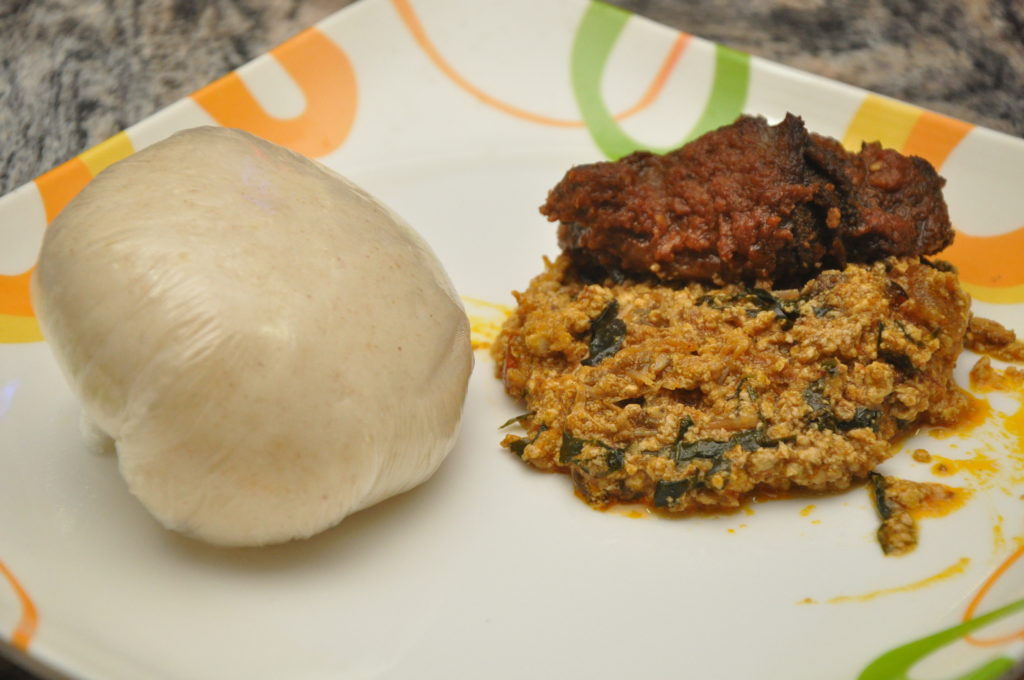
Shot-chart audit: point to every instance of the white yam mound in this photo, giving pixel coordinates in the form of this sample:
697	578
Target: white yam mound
269	348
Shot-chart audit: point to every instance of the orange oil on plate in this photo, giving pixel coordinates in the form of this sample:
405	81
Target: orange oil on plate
940	507
952	570
980	467
485	321
977	413
1009	382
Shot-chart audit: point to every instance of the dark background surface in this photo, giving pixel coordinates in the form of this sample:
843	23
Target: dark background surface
79	71
74	72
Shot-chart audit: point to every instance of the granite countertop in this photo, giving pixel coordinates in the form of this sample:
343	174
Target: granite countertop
77	71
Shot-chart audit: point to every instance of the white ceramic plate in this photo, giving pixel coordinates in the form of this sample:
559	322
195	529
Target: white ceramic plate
461	115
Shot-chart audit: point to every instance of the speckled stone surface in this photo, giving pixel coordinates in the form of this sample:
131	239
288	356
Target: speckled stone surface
74	72
964	58
77	71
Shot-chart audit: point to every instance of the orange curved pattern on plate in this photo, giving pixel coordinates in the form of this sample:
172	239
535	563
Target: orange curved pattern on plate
17	320
989	266
1003	296
60	185
654	89
19	329
415	27
989	261
29	621
56	188
905	127
934	136
879	119
14	297
107	152
980	595
328	82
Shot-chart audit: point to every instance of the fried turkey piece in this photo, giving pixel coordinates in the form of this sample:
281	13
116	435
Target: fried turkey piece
751	202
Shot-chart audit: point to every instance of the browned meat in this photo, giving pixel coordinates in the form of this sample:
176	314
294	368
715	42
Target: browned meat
750	201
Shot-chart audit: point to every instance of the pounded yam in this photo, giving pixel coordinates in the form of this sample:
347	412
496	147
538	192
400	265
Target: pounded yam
269	348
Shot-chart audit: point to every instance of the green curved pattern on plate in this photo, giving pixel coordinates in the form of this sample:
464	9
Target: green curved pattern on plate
595	38
896	664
